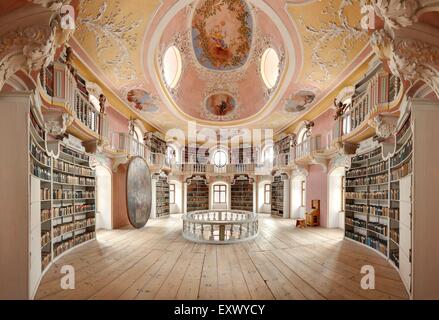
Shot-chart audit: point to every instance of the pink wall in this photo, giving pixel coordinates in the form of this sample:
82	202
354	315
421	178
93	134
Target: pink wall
317	189
117	122
317	180
323	125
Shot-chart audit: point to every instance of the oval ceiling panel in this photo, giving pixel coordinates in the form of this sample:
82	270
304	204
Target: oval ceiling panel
222	33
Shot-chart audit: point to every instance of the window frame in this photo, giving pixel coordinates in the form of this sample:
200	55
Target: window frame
267	194
172	193
302	193
221	191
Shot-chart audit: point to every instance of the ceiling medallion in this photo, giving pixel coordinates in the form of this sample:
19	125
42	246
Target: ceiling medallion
222	33
220	106
299	101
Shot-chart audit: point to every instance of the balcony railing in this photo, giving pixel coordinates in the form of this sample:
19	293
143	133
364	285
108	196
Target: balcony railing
308	147
382	91
125	143
60	86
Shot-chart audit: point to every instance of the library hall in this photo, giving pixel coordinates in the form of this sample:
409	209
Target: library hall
219	150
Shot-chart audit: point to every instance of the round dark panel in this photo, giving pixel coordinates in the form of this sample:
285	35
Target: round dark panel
138	192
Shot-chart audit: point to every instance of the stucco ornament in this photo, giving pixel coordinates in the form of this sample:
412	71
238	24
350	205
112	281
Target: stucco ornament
397	13
409	59
383	129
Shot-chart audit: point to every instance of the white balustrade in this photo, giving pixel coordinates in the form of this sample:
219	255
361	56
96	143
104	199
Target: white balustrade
220	226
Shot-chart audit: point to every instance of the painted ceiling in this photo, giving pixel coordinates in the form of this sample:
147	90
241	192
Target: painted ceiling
319	44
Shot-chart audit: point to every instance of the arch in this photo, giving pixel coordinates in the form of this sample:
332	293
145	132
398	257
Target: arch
301	135
222	149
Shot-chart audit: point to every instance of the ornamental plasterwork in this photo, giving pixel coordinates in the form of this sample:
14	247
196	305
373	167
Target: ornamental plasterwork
319	38
114	34
340	160
383	129
396	13
51	4
409	59
31	47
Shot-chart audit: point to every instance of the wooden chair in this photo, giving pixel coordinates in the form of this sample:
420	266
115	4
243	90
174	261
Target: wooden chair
313	217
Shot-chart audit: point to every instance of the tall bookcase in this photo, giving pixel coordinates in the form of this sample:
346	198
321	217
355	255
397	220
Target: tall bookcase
242	193
73	200
32	236
411	210
162	196
197	194
367	200
280	196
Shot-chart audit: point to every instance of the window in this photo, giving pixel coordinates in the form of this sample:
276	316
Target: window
301	136
172	66
342	193
302	193
138	134
270	67
220	158
172	193
219	193
267	194
268	154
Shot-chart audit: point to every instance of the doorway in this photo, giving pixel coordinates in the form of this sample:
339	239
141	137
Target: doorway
336	198
103	198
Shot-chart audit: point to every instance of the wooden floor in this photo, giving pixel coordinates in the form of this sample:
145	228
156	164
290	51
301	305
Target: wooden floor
282	263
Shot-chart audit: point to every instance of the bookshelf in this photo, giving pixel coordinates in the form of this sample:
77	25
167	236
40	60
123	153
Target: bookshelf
162	197
280	195
63	192
197	194
242	193
73	200
367	200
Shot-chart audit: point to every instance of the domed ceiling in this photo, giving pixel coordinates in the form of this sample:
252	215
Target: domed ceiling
234	63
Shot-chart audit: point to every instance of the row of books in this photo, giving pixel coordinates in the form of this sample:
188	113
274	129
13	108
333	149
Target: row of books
402	171
39	154
75	154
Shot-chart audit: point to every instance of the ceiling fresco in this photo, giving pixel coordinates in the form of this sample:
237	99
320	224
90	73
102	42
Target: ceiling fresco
222	33
221	42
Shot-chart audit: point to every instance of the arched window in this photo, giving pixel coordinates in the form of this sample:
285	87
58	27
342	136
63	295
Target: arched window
301	136
219	158
172	66
268	154
270	67
138	135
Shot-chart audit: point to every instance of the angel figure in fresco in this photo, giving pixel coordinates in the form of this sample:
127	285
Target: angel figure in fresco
142	100
217	46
